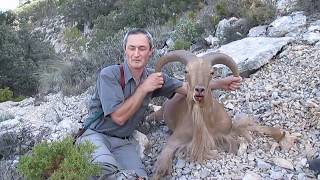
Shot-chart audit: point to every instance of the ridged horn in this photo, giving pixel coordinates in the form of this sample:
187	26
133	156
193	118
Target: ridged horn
182	56
220	58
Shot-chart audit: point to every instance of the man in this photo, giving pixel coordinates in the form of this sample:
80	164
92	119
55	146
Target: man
123	108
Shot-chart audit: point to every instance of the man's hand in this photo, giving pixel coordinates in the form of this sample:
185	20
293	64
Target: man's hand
230	83
154	81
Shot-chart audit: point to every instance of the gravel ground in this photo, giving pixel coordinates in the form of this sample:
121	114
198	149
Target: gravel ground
284	93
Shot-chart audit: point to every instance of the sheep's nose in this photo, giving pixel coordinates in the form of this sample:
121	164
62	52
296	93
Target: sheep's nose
199	89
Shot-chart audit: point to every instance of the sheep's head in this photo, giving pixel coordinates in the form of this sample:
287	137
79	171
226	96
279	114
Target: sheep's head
198	70
198	75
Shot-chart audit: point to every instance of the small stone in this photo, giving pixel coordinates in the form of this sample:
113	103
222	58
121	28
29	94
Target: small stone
251	176
283	163
276	175
289	176
229	106
263	165
275	95
301	176
180	163
204	173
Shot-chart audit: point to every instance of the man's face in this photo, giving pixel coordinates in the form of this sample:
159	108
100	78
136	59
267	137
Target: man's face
138	51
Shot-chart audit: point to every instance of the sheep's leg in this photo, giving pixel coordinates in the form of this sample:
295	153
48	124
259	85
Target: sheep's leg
245	123
163	165
274	132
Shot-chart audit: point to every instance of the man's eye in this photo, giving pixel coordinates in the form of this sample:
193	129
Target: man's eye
142	49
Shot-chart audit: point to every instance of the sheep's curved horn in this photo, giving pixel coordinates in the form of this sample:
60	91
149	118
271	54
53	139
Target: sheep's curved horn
182	56
220	58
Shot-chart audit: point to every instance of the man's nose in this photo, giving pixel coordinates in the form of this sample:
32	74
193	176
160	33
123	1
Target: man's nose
136	52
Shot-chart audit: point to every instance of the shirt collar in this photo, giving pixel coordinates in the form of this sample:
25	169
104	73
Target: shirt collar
127	73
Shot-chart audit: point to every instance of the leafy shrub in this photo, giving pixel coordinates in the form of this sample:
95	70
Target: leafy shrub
142	13
82	11
255	11
259	12
186	31
222	9
182	44
38	9
5	94
78	75
75	74
207	19
7	18
23	58
59	160
74	39
215	20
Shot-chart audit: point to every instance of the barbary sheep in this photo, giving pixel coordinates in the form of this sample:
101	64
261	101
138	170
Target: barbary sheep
200	125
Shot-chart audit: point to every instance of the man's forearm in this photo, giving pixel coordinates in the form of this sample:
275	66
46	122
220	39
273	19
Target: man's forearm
128	108
183	89
214	84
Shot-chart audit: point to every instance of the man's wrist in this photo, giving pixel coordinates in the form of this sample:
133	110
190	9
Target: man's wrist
214	84
140	90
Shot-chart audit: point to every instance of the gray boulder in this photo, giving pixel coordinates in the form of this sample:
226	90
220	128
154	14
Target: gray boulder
291	25
258	31
312	36
231	29
251	53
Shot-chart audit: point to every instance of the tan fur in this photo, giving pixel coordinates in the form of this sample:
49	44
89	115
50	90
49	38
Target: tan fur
200	128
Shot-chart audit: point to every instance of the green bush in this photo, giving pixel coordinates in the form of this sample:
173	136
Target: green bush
6	94
257	12
222	9
7	18
23	57
142	13
260	12
83	11
59	160
186	29
185	32
74	39
38	9
182	44
215	20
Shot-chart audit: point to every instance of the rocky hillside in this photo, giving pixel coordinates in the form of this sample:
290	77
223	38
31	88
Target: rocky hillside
284	93
281	87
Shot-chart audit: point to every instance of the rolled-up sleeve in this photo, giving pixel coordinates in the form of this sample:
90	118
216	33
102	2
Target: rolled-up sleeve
110	91
169	87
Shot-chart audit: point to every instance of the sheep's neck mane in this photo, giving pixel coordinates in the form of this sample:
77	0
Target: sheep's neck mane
202	142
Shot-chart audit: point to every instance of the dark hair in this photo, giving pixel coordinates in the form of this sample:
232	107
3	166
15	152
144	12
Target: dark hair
138	31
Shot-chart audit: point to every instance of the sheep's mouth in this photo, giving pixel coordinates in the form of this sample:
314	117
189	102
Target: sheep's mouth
198	98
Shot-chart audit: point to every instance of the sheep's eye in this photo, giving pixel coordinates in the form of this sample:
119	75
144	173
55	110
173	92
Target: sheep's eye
211	73
186	72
